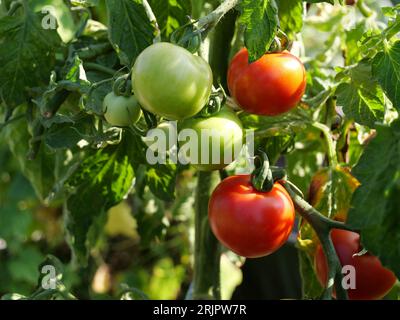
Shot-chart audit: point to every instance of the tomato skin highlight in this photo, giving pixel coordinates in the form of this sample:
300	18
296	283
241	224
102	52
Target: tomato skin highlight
121	111
272	85
373	281
249	222
170	81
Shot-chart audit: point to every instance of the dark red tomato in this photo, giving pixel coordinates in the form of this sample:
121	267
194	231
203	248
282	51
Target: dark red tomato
373	281
249	222
270	86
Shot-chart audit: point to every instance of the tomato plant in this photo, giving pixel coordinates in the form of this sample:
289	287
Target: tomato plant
372	280
148	147
250	223
120	110
272	85
171	82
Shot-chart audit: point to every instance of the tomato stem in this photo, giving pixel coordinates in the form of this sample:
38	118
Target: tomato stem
262	178
206	283
329	143
322	226
47	111
364	9
14	6
98	67
211	20
94	50
153	20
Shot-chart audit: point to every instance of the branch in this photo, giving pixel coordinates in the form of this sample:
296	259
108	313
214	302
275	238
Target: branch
94	50
98	67
153	20
207	249
322	227
211	20
14	6
329	143
364	9
49	111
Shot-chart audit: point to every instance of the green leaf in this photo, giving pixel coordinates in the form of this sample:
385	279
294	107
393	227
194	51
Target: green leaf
319	1
362	99
161	179
310	286
85	3
16	221
331	190
65	22
353	52
130	31
149	214
386	68
261	21
376	203
27	55
40	171
276	146
102	180
24	266
293	121
66	132
290	14
197	8
171	14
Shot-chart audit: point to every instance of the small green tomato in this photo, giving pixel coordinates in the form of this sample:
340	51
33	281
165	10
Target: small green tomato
121	111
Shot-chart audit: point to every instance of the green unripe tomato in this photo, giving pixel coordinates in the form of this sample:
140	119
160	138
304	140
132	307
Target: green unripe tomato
165	131
121	111
221	135
170	81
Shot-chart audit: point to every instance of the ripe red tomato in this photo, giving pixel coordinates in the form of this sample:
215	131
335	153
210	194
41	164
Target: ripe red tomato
270	86
249	222
373	281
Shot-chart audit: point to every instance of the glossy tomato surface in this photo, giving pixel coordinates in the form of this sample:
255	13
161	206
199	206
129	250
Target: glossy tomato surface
248	222
270	86
170	81
373	281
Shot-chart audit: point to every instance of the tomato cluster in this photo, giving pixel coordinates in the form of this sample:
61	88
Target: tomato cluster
169	81
249	222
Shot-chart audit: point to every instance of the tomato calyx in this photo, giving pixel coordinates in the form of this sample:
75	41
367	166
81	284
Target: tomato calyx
215	103
264	176
280	43
188	36
122	86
